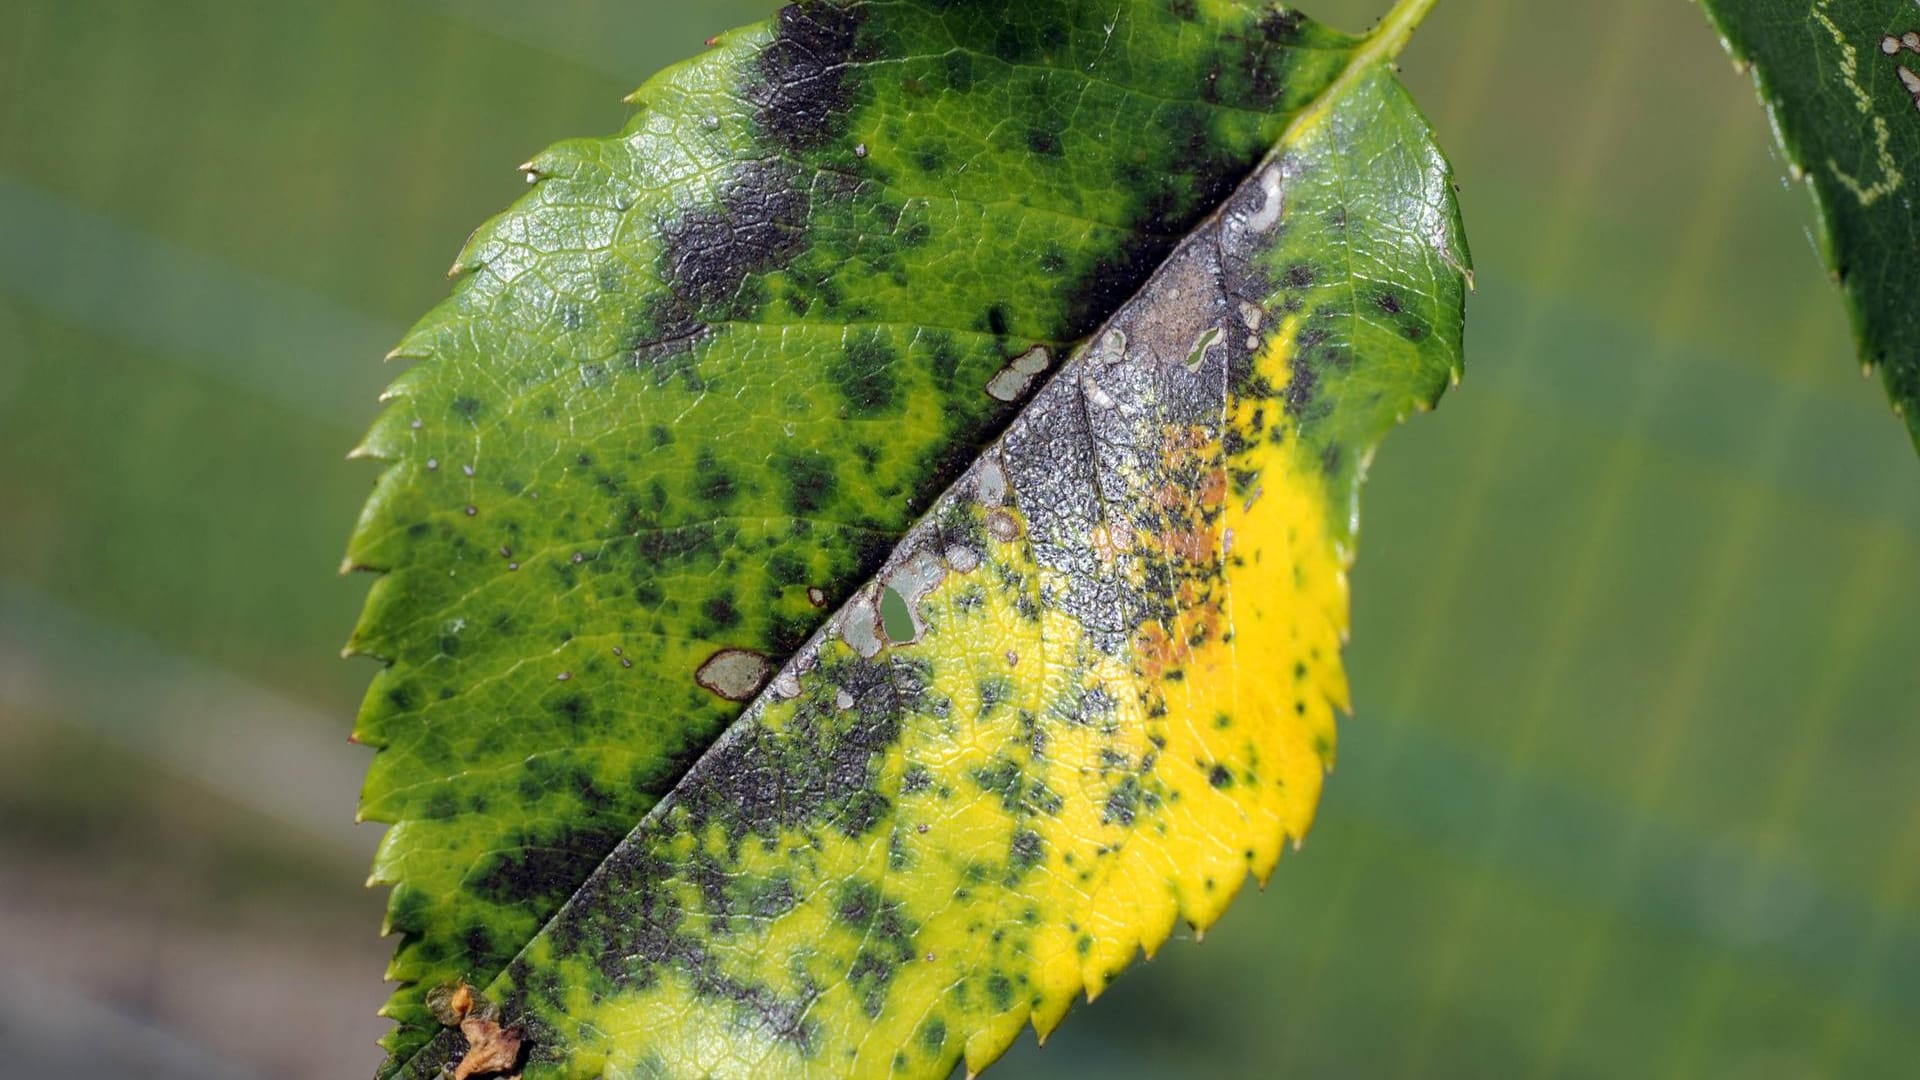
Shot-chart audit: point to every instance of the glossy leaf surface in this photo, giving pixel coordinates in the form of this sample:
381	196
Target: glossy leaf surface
1841	79
693	388
1086	695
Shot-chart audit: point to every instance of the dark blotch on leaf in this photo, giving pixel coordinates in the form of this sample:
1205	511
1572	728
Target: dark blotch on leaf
708	254
802	98
810	483
542	866
863	373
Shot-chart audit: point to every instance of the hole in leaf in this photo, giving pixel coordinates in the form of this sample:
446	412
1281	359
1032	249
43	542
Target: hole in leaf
1201	346
894	616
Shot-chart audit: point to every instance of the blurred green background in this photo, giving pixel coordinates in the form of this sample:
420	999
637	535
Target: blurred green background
1633	786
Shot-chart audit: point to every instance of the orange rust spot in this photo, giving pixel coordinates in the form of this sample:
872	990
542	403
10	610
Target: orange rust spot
1193	545
1213	489
1158	651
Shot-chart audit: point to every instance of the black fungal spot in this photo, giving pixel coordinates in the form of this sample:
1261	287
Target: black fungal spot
861	812
1388	301
544	867
864	375
1301	387
468	407
915	779
648	593
712	483
820	769
1281	26
572	708
802	97
1026	850
1002	778
1220	777
1087	299
720	612
887	941
785	568
1123	803
810	483
789	631
1000	990
708	255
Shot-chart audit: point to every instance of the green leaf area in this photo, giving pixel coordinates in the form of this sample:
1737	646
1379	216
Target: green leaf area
864	550
1841	79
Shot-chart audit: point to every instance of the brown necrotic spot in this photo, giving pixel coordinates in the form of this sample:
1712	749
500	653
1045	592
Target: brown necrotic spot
734	674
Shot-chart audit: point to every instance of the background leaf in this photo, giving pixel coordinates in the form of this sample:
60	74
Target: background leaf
1841	79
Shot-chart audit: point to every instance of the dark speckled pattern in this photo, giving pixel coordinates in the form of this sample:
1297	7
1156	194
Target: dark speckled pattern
1107	696
691	390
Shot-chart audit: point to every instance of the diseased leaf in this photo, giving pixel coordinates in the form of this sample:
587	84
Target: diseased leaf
1841	79
1084	696
693	388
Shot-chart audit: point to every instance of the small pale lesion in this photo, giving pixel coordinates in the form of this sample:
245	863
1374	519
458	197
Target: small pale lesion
734	674
1890	176
1894	46
1012	381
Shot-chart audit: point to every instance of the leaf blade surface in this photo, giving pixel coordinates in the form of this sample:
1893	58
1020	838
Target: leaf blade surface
691	390
1841	81
1114	696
